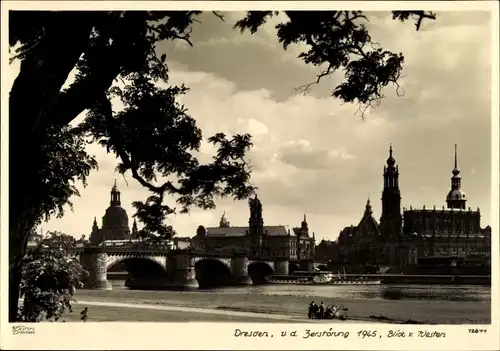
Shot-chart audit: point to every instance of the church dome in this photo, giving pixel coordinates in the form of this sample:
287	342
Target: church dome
116	219
115	216
456	194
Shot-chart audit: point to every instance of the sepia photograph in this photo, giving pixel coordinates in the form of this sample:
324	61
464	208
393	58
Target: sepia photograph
321	168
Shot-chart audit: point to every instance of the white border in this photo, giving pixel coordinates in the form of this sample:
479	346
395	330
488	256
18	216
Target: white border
218	336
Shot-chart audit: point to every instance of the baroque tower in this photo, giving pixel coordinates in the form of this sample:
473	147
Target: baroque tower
456	198
391	221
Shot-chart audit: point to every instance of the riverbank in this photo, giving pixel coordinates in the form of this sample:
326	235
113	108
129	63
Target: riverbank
399	311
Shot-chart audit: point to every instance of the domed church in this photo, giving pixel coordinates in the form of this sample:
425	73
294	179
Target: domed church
114	222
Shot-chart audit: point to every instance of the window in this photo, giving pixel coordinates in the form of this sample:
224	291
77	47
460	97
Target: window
417	223
446	223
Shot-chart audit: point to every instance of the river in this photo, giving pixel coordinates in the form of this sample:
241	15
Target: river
369	292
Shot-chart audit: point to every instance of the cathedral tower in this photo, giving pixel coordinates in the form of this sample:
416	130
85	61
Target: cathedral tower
391	221
456	198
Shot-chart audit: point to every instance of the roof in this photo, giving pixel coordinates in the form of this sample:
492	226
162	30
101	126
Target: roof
275	230
439	210
368	221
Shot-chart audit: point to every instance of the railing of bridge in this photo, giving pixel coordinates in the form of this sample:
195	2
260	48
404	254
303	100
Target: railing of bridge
125	249
148	248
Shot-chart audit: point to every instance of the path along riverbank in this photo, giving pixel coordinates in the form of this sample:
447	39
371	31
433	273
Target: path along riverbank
398	311
132	312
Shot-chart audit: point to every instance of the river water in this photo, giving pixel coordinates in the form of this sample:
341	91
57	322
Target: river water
369	292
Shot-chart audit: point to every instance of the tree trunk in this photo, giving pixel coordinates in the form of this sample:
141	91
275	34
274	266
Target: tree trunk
14	289
19	233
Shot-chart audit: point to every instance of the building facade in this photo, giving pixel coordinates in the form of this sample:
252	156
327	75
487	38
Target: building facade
181	243
404	236
327	251
257	239
114	222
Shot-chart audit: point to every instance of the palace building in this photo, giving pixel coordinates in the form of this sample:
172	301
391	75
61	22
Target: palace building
402	237
257	239
114	222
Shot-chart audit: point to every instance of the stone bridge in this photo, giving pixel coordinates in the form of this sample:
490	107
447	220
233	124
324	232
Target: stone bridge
156	268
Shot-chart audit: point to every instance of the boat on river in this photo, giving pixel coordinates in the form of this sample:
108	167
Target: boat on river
319	278
361	280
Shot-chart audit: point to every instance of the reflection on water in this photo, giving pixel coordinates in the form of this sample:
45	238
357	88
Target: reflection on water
373	292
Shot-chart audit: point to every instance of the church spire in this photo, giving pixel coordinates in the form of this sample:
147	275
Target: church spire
456	171
134	229
456	197
95	227
368	208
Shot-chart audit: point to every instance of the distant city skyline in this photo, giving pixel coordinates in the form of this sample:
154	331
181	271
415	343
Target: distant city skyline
312	155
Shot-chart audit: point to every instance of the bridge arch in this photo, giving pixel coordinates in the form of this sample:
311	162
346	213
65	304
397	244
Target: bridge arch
258	271
138	267
212	272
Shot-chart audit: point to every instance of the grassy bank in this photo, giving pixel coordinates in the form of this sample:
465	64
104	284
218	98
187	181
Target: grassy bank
122	314
432	312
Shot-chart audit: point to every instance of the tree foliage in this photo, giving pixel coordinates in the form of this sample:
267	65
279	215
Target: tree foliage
50	275
339	40
154	138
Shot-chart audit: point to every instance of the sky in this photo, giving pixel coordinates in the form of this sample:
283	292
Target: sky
312	154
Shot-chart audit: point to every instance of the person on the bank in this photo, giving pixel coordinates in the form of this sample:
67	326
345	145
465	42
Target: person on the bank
310	310
321	311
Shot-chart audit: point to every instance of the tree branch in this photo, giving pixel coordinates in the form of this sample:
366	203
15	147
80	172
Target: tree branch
45	68
218	15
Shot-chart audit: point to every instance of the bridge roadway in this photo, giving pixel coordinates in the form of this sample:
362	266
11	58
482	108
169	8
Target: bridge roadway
166	251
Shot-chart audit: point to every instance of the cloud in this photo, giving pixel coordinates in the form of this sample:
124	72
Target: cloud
313	154
301	154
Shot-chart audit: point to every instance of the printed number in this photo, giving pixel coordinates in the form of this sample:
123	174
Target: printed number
477	331
367	334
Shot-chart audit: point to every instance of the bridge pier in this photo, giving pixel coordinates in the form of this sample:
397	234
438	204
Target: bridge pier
307	265
239	270
98	272
185	272
281	267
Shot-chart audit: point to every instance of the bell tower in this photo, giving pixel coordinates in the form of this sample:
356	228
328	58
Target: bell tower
391	220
